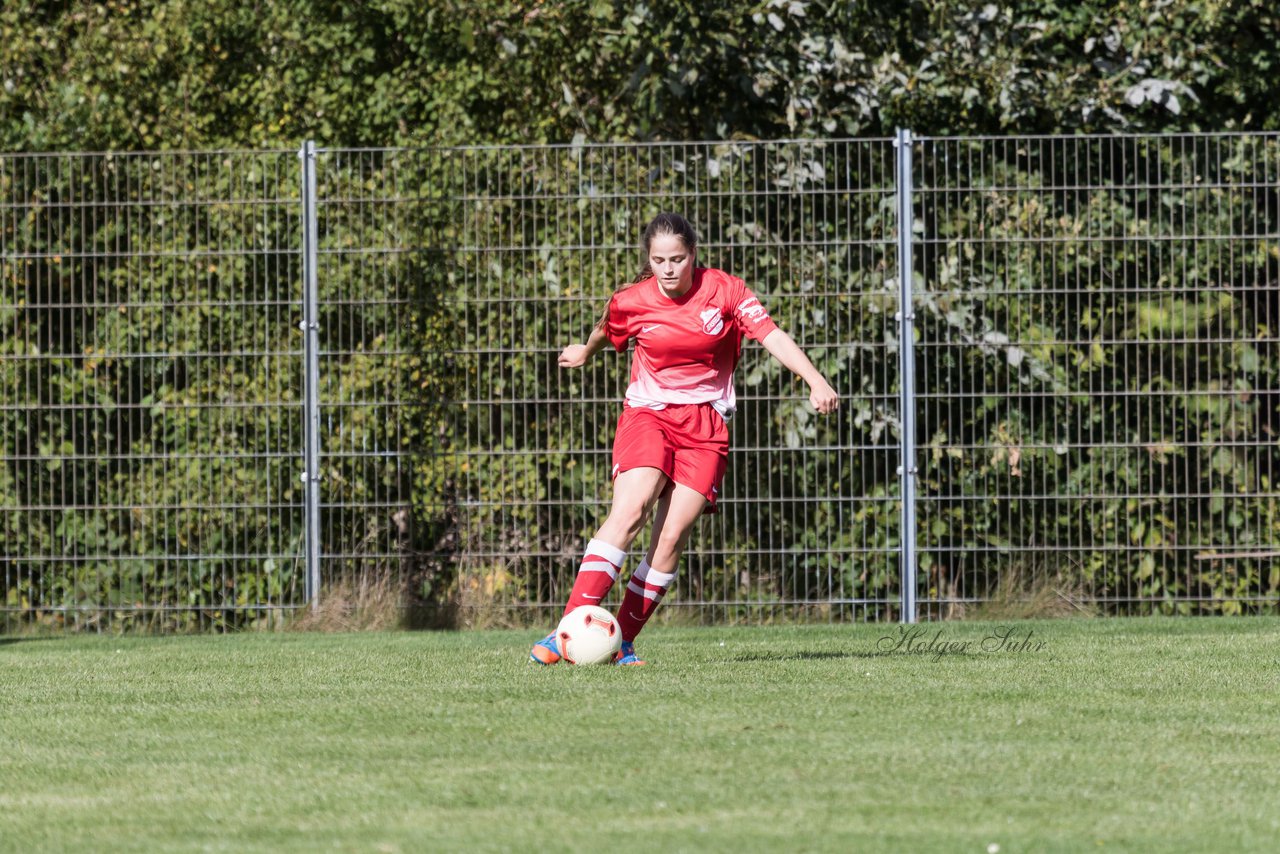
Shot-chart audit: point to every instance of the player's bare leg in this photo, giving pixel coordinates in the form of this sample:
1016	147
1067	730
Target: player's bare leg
677	512
635	492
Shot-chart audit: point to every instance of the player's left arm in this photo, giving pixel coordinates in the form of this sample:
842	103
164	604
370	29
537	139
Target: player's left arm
781	346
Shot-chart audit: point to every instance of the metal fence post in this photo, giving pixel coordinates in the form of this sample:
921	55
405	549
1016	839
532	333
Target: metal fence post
906	381
310	327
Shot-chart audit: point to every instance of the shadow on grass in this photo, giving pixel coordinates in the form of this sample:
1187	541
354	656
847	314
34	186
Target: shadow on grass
820	655
10	641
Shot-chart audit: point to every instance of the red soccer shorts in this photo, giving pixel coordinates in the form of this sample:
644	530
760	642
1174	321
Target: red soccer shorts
689	443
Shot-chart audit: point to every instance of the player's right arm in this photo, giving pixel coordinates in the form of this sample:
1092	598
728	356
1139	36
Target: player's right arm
576	355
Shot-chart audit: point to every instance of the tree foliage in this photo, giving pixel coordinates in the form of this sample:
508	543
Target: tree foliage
148	320
147	74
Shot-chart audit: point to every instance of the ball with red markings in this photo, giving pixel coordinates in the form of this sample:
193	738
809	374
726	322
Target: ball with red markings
588	635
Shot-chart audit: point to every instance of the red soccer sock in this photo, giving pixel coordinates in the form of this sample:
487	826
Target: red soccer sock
644	592
596	575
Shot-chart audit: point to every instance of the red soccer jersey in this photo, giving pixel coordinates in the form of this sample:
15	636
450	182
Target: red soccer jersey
687	347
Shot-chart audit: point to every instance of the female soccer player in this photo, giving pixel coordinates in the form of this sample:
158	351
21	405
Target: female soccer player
671	446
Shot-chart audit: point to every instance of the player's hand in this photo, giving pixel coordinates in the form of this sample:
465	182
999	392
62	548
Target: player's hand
824	398
573	356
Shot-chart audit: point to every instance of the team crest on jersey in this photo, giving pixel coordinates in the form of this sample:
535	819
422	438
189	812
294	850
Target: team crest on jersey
712	321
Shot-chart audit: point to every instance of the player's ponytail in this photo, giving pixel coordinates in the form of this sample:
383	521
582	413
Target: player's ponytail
661	225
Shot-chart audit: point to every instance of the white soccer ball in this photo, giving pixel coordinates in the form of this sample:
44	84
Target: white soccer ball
588	635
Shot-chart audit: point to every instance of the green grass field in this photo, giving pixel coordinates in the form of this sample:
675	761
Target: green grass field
1098	735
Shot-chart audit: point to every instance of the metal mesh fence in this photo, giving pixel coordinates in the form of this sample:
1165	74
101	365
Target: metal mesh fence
1095	388
149	366
381	285
1097	372
503	256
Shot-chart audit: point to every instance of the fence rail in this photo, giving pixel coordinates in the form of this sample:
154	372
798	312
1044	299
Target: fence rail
238	382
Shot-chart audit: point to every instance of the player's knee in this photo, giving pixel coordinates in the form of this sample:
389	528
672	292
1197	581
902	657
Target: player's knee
630	518
669	544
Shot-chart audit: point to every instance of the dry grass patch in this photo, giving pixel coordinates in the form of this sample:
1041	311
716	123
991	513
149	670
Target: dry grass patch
366	602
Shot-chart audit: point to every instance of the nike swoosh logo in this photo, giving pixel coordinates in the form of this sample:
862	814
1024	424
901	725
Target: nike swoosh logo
649	328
